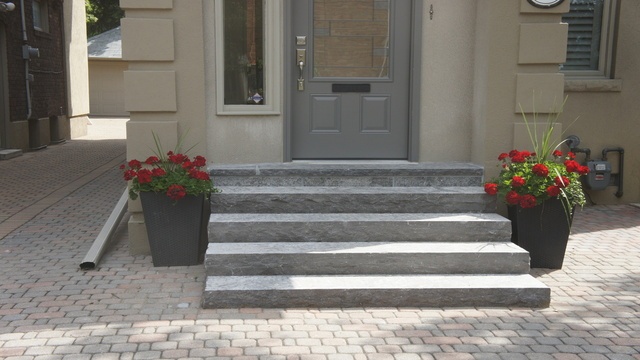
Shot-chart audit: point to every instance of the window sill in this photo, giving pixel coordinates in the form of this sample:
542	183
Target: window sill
592	85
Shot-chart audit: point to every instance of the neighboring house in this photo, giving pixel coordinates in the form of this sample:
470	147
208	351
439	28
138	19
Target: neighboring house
106	74
43	73
282	80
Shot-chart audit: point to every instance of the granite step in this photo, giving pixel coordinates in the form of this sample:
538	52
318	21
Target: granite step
349	173
243	259
367	227
336	199
344	291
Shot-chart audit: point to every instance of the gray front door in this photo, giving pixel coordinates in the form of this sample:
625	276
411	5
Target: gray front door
350	89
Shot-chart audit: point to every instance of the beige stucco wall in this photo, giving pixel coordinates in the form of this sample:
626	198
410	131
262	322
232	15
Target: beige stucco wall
480	61
77	66
106	84
447	81
610	118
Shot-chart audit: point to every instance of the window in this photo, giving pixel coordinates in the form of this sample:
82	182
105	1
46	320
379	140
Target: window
40	11
248	47
590	42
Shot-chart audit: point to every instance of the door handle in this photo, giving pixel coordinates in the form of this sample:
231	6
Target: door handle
301	58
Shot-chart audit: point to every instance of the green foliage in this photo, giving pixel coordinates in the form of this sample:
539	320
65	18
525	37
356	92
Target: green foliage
102	15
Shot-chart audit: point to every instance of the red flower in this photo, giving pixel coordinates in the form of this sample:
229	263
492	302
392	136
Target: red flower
503	156
135	164
158	172
557	153
572	165
571	155
562	181
525	153
129	175
177	158
491	188
513	153
144	176
199	161
527	201
152	160
512	198
519	158
553	191
176	192
518	181
199	175
122	167
583	170
187	165
540	170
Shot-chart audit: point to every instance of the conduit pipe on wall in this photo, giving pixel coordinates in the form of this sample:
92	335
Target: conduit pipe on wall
27	52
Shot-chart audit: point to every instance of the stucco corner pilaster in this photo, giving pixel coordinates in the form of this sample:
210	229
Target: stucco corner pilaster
540	93
150	91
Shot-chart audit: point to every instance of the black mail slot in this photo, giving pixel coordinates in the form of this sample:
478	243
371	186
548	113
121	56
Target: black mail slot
351	88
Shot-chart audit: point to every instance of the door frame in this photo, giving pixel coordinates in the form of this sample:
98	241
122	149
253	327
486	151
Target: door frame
414	78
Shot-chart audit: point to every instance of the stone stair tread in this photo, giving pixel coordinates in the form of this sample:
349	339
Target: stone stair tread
361	217
374	290
348	168
287	248
465	190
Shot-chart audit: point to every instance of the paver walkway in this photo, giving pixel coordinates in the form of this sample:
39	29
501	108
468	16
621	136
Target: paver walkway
54	202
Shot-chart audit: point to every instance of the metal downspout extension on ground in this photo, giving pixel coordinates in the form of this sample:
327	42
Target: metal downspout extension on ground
104	237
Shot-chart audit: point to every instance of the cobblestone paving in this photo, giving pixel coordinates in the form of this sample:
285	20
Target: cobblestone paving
127	309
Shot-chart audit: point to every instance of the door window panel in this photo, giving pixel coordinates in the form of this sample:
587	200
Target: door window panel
243	52
351	38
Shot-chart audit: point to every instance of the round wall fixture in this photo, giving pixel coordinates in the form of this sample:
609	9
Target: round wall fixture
545	4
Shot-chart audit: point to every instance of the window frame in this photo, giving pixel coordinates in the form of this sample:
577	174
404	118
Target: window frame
272	62
606	51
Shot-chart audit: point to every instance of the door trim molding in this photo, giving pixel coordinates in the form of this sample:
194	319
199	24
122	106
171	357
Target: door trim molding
414	80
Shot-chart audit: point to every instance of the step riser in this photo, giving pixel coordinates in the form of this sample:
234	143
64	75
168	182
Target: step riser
344	264
351	203
363	181
374	291
347	231
352	298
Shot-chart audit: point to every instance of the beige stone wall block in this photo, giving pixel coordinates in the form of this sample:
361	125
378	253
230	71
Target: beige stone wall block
526	7
150	91
147	39
543	43
146	4
542	93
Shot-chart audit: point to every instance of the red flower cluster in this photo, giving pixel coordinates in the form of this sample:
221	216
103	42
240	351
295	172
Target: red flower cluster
174	174
526	180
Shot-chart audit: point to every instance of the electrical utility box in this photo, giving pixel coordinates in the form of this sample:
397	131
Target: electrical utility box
599	174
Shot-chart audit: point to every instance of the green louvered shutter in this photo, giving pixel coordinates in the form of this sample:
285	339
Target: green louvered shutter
585	30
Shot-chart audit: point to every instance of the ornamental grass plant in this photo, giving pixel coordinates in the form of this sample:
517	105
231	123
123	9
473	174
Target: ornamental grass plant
528	178
172	173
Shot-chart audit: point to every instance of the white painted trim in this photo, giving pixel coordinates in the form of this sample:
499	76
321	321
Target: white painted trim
273	12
